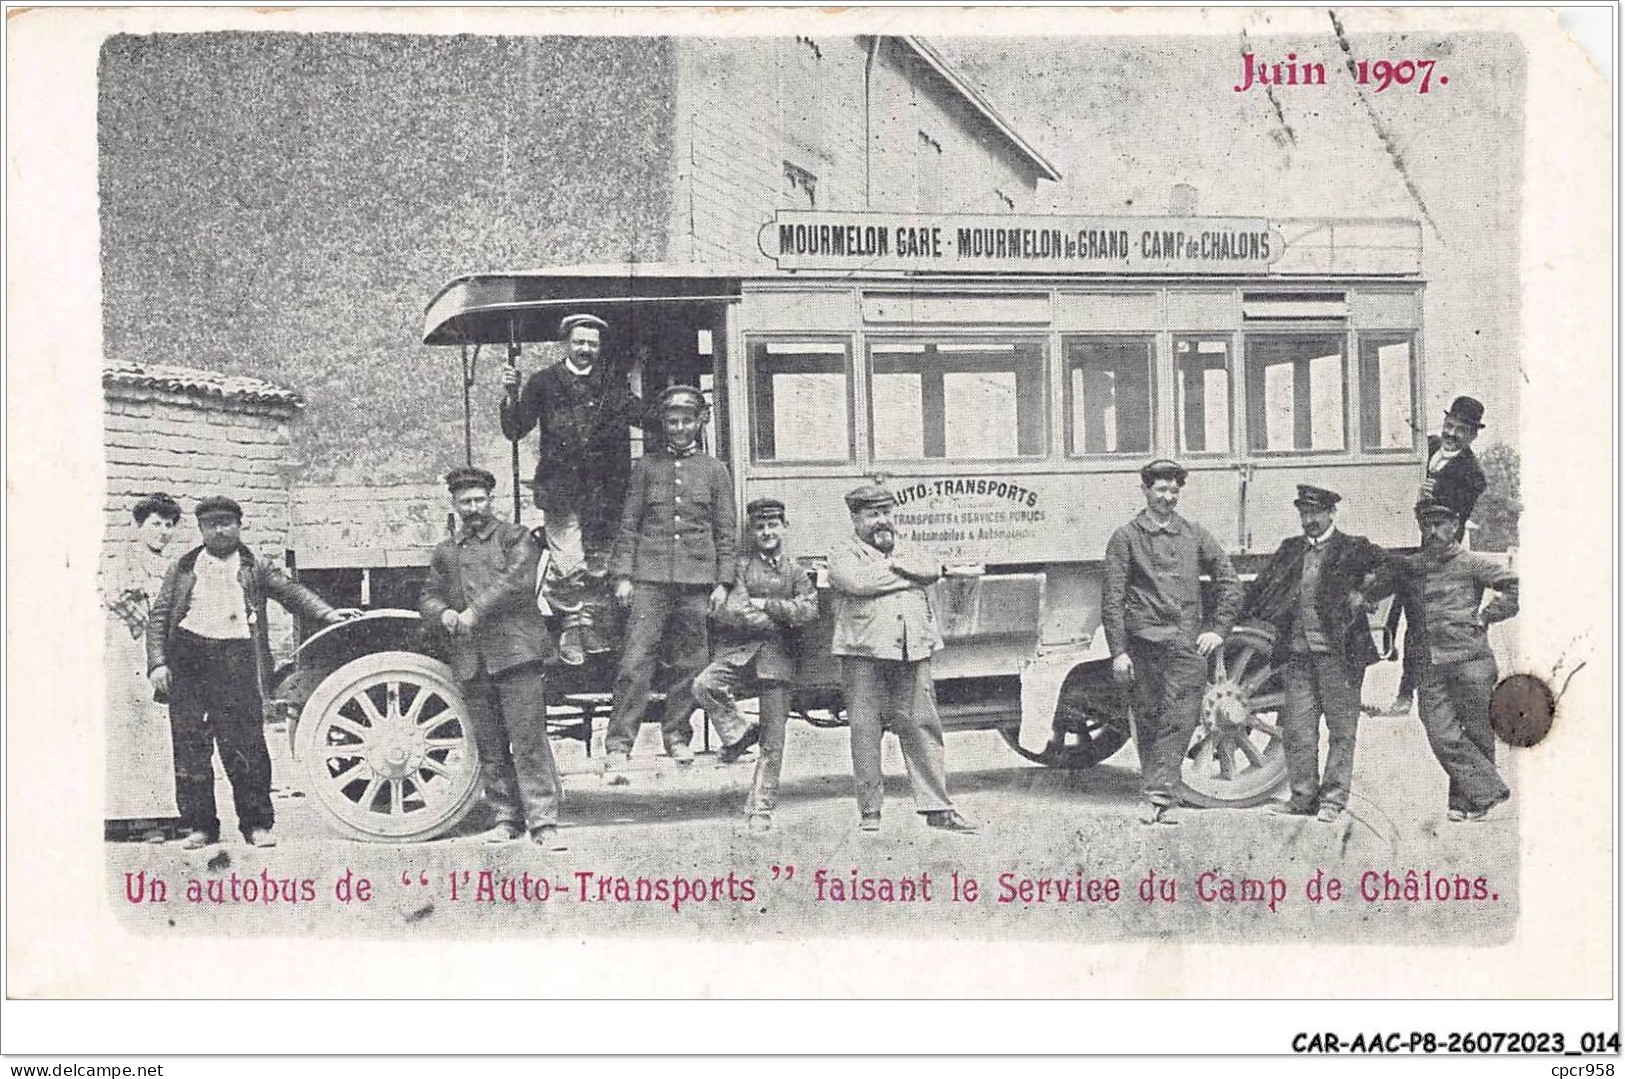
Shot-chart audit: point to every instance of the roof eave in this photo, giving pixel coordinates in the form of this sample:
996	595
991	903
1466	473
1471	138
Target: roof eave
941	66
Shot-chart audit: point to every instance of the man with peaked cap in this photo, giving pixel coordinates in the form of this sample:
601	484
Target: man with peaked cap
772	596
209	651
480	596
673	561
1151	608
582	410
886	634
1458	670
1454	479
1313	594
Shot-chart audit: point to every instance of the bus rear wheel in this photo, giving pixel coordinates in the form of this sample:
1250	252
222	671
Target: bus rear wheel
1236	756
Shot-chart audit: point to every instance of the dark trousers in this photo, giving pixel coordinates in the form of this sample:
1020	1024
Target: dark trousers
1454	701
1317	684
1411	652
509	714
214	699
899	694
1169	680
669	616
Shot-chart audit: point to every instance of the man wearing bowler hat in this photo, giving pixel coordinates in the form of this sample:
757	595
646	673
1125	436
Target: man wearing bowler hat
1151	608
885	634
582	410
480	595
772	596
1453	479
209	651
1313	593
673	561
1458	670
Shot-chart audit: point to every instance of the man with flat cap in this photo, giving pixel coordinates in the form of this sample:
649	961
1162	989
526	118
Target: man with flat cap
481	596
208	649
772	596
1151	608
1454	479
1313	594
886	634
1458	670
582	410
673	561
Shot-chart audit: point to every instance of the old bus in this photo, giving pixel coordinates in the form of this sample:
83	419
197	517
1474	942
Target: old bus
1008	376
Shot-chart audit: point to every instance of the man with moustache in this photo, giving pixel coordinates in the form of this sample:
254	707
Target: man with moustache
1454	479
673	561
1313	593
582	410
480	593
885	634
1152	612
1458	669
209	651
772	596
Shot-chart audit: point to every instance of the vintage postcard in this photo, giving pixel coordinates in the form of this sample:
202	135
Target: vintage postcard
898	503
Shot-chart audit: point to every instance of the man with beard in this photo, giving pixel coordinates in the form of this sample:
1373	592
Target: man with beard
673	561
1152	611
582	410
1458	668
885	634
480	592
1454	479
208	650
772	597
1313	593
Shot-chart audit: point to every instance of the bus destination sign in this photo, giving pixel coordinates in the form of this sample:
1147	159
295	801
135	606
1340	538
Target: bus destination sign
971	243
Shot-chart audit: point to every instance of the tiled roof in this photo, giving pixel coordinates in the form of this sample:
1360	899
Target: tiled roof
197	382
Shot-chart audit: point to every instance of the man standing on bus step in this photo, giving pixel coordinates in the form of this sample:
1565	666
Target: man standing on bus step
582	410
1152	612
1313	593
673	561
772	597
885	634
1454	479
481	592
1458	668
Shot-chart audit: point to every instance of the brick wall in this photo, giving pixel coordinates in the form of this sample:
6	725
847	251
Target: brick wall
192	446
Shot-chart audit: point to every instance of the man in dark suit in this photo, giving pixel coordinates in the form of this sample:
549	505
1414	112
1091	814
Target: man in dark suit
481	592
1453	479
1313	592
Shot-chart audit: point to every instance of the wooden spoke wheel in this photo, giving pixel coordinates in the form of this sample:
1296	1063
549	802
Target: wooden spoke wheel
388	748
1091	721
1237	756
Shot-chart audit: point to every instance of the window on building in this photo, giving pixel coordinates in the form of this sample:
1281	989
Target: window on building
1295	392
1202	393
801	400
800	188
1387	389
927	174
966	400
1108	389
801	95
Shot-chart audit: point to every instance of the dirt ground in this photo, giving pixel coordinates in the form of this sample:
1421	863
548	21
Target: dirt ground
1061	854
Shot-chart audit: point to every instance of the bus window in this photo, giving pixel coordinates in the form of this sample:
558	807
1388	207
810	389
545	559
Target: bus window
1108	389
967	400
801	404
1202	394
1295	392
1386	382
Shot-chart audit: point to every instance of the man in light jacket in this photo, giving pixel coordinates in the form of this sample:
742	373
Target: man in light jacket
885	634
